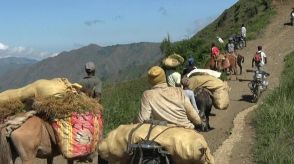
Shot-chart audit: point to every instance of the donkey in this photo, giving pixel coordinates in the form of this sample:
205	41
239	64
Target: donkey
34	138
204	105
230	63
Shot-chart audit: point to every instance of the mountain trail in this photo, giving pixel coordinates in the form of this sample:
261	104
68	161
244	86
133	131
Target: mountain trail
233	136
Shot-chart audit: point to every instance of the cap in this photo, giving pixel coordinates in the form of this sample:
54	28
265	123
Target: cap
90	66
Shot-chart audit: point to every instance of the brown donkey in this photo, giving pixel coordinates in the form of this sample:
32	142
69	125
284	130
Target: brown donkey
35	138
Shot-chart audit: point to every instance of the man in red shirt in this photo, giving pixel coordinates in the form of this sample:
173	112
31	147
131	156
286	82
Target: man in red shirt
214	53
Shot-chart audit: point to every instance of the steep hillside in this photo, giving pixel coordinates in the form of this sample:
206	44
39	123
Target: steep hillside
114	63
12	63
255	14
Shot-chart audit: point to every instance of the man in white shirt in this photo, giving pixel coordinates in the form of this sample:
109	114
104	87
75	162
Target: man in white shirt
243	33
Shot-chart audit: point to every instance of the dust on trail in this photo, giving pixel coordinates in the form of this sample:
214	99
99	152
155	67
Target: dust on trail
277	41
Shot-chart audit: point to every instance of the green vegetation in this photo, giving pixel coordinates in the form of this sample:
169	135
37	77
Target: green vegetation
274	121
255	14
122	101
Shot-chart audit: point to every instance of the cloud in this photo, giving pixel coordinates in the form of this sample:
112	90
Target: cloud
93	22
3	46
21	51
118	17
162	11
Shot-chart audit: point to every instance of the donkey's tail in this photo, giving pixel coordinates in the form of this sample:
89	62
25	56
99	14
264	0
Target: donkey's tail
5	151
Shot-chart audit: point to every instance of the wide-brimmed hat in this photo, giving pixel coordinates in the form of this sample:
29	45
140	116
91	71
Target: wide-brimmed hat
173	60
156	75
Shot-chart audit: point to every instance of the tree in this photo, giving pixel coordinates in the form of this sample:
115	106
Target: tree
166	46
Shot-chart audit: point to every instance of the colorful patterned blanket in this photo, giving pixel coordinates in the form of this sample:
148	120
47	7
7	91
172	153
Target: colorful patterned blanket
78	134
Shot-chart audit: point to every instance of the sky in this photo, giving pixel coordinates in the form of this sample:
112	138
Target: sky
43	28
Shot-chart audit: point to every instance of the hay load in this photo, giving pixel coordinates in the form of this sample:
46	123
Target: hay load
75	118
218	88
185	145
11	107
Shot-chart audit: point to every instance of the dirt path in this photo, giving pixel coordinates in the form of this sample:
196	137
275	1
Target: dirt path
277	41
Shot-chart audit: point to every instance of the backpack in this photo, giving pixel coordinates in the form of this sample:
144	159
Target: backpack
257	57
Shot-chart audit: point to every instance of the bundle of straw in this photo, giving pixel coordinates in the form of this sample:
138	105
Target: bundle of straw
60	107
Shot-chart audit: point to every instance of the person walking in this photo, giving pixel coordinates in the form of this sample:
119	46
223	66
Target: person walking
231	46
215	54
260	59
171	63
189	67
243	34
189	93
91	85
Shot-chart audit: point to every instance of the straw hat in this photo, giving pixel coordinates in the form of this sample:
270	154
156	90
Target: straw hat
156	75
173	60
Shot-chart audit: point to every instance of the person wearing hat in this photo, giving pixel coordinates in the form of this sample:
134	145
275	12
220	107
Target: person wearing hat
166	103
91	85
171	63
190	66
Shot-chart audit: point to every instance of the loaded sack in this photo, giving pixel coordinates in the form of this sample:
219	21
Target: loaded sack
218	88
184	146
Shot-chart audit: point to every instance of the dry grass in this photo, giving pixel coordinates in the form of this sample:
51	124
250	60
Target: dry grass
11	107
54	107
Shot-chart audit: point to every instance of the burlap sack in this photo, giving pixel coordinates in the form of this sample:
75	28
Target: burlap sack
221	99
40	88
186	146
207	81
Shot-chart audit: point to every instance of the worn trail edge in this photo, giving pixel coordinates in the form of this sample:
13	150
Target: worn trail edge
223	153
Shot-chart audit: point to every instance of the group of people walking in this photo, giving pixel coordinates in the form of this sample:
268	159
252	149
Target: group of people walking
259	59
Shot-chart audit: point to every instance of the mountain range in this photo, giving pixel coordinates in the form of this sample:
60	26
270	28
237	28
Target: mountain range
113	64
13	63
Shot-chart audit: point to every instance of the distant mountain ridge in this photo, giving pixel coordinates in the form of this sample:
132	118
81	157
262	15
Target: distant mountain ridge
113	64
13	63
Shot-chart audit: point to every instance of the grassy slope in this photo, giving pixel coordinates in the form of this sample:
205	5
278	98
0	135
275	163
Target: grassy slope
122	101
274	121
255	14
